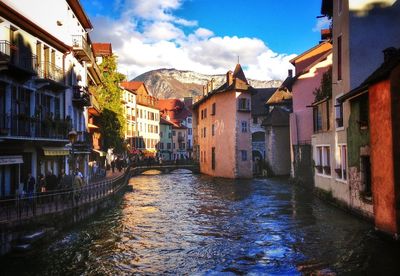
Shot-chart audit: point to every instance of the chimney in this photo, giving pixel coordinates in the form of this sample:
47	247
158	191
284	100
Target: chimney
389	53
326	35
229	78
208	87
212	84
290	73
204	90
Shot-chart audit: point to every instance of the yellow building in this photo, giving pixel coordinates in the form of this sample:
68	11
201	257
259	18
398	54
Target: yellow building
147	132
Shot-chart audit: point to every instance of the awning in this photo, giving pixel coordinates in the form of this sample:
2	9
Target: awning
11	159
92	125
101	153
55	151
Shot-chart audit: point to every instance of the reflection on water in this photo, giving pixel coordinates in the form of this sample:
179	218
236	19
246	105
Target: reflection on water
190	224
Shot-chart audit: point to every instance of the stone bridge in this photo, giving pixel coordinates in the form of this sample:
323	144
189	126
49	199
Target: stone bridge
164	168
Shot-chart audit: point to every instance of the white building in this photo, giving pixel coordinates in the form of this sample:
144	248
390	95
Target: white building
46	66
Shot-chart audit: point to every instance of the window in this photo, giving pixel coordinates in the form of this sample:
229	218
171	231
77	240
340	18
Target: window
189	131
213	158
213	130
173	133
161	145
204	133
161	134
339	115
243	104
168	145
244	155
205	113
169	135
339	57
189	120
202	114
255	120
173	145
323	160
244	126
341	163
363	115
366	177
213	109
321	116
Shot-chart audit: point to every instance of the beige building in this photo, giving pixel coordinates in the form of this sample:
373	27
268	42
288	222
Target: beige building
129	102
222	125
147	132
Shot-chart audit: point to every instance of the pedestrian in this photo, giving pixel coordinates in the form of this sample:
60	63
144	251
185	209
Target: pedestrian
77	187
42	183
30	184
113	166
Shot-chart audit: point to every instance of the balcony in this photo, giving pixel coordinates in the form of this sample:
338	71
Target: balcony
15	61
81	96
24	126
51	75
84	142
81	48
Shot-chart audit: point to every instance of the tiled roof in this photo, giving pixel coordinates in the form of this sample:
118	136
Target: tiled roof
258	100
239	74
102	49
132	85
281	96
277	117
165	121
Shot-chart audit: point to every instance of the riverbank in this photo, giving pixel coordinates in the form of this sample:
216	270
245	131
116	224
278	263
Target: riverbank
42	215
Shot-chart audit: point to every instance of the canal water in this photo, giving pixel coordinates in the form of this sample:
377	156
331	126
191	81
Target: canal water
191	224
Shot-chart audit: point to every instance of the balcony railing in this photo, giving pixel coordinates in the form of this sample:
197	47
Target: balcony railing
50	71
24	126
10	55
81	96
81	47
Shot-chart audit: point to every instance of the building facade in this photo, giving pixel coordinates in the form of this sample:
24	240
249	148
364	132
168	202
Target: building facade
222	119
44	78
309	66
147	135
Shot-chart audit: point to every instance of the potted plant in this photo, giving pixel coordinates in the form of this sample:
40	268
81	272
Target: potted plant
327	170
319	168
338	172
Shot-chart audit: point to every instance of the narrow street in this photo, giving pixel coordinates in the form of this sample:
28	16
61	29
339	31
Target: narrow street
187	224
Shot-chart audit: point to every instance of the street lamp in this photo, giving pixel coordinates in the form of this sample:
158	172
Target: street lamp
72	135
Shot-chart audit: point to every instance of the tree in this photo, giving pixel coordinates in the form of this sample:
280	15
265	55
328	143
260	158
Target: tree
325	90
108	94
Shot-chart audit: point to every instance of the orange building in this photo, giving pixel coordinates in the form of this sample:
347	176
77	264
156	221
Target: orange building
381	93
222	127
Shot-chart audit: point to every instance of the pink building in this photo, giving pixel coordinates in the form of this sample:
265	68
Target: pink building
222	126
309	66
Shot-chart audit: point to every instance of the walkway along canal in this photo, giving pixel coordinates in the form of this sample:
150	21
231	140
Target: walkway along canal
187	224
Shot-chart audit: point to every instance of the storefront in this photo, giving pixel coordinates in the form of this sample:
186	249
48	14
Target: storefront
10	174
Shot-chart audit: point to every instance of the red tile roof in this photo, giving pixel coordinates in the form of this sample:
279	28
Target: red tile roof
102	49
132	85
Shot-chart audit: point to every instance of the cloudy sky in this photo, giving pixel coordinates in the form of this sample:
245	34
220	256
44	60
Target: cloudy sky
206	36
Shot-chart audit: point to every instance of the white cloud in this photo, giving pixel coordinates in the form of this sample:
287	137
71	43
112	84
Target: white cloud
322	23
148	36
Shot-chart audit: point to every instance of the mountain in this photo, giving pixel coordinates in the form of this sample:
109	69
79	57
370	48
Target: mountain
172	83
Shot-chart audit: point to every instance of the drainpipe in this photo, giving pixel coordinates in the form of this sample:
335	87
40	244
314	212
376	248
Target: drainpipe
65	81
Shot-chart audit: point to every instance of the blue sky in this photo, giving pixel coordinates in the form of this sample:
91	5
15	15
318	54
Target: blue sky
206	35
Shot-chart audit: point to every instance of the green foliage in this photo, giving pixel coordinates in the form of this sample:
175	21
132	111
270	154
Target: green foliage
109	94
325	90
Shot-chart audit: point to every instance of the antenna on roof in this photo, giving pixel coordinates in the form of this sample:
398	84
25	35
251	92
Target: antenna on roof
238	59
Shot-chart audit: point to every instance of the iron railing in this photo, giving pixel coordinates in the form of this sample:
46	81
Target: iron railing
25	206
10	54
50	71
21	125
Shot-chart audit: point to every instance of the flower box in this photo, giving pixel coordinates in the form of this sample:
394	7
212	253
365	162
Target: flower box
327	170
318	168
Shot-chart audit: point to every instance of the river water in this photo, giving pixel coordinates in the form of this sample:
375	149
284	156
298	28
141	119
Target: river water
192	224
